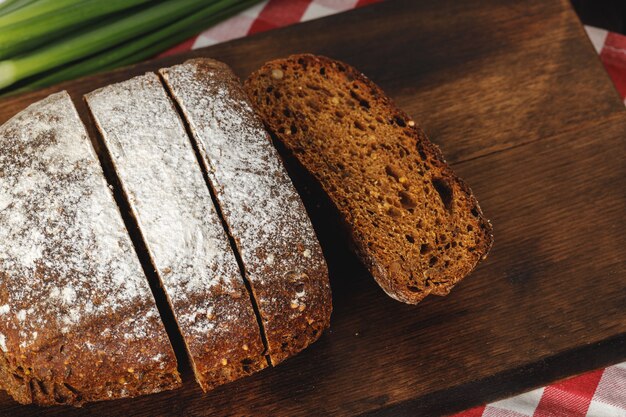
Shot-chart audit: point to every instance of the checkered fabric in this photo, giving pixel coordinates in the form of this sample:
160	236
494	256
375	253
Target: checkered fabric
612	50
267	15
600	393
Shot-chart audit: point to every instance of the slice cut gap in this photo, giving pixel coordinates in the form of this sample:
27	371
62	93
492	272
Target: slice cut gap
157	167
259	204
218	208
121	199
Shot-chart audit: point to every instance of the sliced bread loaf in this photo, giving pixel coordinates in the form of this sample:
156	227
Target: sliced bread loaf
160	175
415	224
77	318
280	253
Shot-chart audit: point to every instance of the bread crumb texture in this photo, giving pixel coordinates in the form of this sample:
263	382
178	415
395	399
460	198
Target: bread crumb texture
415	224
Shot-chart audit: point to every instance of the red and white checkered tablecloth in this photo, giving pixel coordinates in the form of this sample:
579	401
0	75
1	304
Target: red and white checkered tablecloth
600	393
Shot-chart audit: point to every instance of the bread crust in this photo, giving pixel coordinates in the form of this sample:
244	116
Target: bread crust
281	256
292	99
78	322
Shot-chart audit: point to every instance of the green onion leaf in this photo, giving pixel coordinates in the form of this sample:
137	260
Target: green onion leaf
98	39
146	46
9	6
36	9
40	29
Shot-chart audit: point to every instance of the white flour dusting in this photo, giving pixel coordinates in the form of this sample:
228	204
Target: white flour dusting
65	257
171	202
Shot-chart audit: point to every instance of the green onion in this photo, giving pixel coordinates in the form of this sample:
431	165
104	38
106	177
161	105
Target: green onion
146	46
95	40
4	4
39	29
36	9
10	6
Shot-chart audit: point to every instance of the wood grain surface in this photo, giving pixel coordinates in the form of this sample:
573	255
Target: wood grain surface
517	99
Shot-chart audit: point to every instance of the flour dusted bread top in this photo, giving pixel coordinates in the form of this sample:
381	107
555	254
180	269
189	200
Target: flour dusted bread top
171	202
280	252
77	318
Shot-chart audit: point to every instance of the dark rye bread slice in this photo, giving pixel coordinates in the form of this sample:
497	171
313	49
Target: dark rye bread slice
415	224
281	256
160	175
78	321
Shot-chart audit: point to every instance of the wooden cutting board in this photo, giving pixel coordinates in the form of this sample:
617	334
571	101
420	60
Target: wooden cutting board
520	104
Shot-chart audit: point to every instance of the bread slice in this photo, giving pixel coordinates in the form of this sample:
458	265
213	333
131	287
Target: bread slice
78	321
415	224
170	200
281	256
